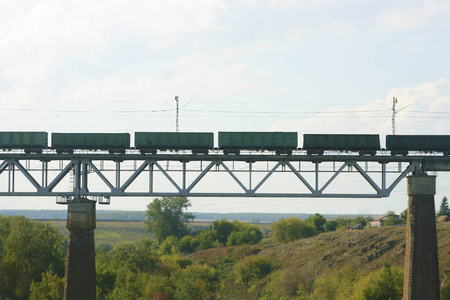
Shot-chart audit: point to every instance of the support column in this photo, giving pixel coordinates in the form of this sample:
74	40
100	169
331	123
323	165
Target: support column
80	281
421	279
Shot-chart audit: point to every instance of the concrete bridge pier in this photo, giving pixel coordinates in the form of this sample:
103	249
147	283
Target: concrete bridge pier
421	279
80	283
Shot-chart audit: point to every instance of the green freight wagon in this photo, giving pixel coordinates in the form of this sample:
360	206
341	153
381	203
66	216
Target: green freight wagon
361	143
151	142
30	142
112	142
280	142
401	144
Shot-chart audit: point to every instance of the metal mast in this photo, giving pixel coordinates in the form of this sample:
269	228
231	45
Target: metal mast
394	100
176	100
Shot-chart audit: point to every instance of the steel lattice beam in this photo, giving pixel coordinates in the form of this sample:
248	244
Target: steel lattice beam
84	167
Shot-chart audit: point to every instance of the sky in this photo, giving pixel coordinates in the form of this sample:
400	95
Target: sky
311	66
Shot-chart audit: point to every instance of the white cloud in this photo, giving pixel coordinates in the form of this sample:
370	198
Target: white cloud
37	38
239	51
422	16
420	111
298	34
295	4
342	28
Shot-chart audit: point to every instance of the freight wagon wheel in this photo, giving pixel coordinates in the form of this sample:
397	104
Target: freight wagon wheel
321	152
194	152
225	152
278	152
27	151
70	151
446	153
393	153
153	152
143	151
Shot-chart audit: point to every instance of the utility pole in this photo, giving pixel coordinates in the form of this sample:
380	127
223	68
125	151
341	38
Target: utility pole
394	100
176	100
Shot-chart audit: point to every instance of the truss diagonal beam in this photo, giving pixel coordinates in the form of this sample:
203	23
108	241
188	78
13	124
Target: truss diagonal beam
234	177
3	166
410	168
333	177
200	176
134	176
100	174
27	175
60	176
266	177
366	176
167	176
300	177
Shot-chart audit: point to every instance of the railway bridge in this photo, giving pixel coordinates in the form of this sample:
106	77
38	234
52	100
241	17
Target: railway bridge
84	179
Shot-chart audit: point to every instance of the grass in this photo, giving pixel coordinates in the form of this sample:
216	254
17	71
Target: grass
365	250
110	232
116	233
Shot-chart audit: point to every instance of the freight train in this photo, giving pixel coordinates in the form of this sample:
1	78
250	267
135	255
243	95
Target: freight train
282	143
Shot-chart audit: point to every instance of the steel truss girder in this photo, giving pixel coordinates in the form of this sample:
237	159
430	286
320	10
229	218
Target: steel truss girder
84	166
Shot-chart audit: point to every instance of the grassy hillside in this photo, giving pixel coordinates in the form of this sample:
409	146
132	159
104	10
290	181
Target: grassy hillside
113	233
117	232
303	261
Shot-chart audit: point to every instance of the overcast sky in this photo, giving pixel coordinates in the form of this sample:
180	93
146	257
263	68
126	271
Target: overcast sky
311	66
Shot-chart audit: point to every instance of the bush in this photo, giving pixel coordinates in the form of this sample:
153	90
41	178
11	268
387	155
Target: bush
248	236
291	229
253	268
51	287
284	284
330	225
386	283
335	284
196	282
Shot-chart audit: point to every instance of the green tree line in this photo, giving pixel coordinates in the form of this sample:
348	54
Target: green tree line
225	261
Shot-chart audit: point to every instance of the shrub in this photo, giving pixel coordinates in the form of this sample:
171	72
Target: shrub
291	229
196	282
248	236
335	284
330	225
386	283
253	267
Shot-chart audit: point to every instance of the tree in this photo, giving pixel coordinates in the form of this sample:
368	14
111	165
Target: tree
386	283
248	235
223	228
330	225
165	217
317	220
291	229
444	210
404	215
51	287
390	220
28	249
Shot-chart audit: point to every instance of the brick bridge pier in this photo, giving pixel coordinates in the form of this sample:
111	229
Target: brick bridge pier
80	283
421	279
